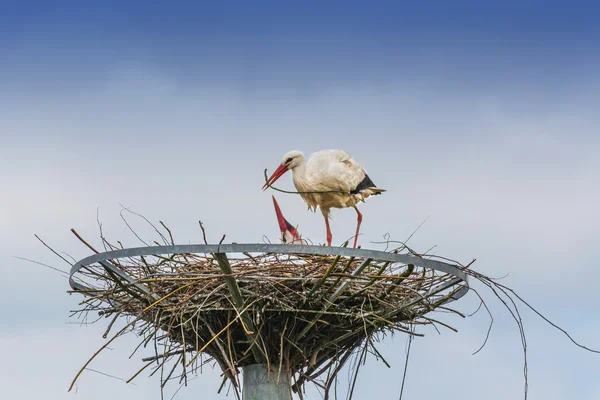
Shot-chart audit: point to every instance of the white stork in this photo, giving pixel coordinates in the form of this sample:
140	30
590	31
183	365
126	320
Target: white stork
289	234
331	179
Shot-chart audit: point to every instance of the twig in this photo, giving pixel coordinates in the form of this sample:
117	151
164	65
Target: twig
52	250
83	241
314	192
203	232
43	265
168	230
410	338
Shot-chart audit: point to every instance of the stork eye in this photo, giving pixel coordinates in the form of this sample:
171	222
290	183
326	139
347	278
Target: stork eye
289	160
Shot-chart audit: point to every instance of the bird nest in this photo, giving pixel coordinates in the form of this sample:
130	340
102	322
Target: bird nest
306	311
301	309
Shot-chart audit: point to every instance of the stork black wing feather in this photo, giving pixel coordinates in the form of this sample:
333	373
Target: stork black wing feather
364	184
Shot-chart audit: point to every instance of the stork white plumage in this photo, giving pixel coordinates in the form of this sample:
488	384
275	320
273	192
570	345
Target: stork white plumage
330	179
289	233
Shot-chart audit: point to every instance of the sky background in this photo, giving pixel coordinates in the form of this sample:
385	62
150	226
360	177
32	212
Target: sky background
481	115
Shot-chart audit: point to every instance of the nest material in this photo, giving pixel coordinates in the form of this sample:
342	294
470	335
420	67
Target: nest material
304	313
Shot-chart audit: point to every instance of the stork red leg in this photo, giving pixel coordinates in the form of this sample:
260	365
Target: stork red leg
329	236
359	219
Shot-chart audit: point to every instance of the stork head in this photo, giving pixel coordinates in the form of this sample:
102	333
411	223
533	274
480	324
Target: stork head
289	234
290	160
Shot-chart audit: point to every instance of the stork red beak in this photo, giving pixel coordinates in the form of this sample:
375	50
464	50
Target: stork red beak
283	223
282	169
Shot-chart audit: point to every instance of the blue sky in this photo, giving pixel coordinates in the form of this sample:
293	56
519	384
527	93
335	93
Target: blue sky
480	114
272	42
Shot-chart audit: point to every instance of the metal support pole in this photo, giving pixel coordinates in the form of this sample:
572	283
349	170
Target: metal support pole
262	384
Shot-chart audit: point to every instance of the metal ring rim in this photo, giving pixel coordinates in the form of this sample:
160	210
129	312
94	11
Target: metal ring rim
272	248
